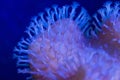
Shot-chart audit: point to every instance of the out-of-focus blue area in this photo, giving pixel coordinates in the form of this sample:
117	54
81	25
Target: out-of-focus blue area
15	16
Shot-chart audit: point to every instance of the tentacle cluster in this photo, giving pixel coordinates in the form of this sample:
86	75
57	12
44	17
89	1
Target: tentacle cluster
109	9
44	20
41	24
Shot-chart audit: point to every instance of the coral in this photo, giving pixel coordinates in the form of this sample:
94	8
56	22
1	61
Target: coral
64	44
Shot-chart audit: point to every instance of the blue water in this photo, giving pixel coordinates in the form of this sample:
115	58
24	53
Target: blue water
15	15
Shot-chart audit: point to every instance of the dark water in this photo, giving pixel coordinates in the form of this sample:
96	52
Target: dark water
15	15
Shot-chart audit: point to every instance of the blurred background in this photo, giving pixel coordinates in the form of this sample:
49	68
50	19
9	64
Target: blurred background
15	16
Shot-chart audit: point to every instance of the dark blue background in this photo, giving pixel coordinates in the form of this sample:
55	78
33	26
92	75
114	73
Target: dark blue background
15	15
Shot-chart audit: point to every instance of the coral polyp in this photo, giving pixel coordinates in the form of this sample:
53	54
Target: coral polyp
108	28
54	44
